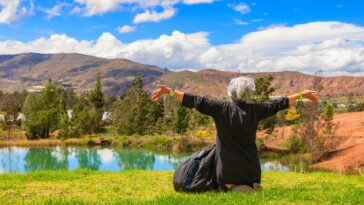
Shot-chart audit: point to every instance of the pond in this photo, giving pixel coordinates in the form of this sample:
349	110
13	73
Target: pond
22	159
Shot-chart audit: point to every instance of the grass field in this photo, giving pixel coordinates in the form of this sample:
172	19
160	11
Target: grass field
155	187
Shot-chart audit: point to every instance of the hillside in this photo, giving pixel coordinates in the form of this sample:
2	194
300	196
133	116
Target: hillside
18	72
214	82
21	71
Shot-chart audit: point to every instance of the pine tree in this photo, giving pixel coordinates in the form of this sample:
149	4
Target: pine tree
263	91
96	95
197	120
135	113
181	123
98	101
328	116
84	117
64	121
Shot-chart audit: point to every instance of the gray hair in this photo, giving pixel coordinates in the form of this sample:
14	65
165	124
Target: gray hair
241	89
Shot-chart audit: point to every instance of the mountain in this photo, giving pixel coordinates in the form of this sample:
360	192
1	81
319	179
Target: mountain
214	82
22	71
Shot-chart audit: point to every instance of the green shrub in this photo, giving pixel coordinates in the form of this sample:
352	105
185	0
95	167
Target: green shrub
296	144
201	134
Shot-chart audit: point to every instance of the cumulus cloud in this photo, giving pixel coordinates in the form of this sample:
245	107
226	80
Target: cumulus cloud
126	29
153	16
93	7
11	10
334	47
242	8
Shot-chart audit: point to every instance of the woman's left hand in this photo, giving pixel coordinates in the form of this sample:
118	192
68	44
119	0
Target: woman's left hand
161	90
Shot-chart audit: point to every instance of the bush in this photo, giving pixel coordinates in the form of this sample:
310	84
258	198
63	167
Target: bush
201	134
296	144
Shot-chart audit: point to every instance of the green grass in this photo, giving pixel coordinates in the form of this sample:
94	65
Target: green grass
155	187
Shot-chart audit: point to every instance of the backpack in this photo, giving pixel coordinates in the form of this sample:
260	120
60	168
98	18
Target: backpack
197	173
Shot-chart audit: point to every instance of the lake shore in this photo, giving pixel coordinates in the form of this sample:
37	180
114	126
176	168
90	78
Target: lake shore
155	187
157	143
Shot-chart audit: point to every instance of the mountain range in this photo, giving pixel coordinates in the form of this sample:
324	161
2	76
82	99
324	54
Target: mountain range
22	71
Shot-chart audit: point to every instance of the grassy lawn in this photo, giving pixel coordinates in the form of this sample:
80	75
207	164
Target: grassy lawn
155	187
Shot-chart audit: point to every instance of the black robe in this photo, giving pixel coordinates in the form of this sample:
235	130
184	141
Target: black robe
237	160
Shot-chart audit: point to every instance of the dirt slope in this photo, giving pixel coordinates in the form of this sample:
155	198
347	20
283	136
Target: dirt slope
349	153
347	160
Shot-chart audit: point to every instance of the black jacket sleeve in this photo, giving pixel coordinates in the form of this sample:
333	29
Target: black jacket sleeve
267	109
203	104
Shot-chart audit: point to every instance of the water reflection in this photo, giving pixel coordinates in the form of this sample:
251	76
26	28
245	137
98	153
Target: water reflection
19	159
88	159
37	159
131	159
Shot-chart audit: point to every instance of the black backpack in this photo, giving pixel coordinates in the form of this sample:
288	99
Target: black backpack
197	173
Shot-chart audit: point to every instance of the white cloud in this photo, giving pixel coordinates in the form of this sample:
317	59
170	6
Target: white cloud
257	20
126	29
197	1
153	16
76	10
243	8
93	7
240	22
98	7
54	11
274	25
11	10
334	47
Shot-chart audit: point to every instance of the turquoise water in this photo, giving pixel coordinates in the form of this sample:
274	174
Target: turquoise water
23	159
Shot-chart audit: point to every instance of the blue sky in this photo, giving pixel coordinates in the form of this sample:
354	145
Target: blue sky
212	28
218	18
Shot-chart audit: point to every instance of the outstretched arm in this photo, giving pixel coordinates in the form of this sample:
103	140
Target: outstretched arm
203	104
309	94
270	108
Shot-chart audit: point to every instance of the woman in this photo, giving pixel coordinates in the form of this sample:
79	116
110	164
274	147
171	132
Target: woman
236	121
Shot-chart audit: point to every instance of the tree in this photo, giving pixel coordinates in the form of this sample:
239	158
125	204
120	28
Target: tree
10	108
98	101
64	121
96	95
262	93
197	120
263	89
135	113
328	116
123	113
84	117
312	124
181	123
41	111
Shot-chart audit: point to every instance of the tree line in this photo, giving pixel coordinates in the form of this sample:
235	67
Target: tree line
55	111
62	113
